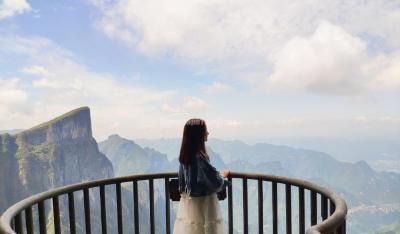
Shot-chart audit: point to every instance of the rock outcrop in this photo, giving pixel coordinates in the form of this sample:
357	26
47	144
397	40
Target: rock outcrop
55	153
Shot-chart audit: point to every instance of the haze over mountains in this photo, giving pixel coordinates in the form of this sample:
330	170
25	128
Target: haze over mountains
63	151
361	186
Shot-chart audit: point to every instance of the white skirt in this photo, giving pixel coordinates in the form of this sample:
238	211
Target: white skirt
199	215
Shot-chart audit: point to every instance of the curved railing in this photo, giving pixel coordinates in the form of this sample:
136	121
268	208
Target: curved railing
332	209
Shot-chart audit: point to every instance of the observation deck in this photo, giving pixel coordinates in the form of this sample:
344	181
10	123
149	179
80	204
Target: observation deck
317	209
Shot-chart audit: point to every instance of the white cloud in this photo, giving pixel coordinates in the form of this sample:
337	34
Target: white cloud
36	70
216	87
246	39
189	105
9	8
388	76
10	93
330	61
55	83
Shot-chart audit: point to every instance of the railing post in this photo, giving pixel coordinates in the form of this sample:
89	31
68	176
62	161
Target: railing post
167	211
288	208
151	196
71	210
56	215
331	207
42	217
260	207
324	207
86	206
230	207
313	203
103	210
135	206
29	220
18	223
245	207
119	207
301	211
274	207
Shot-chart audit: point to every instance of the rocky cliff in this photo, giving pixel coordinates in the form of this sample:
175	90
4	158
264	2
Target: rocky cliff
55	153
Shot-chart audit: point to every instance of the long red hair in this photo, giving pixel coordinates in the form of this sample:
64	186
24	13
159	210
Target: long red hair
193	139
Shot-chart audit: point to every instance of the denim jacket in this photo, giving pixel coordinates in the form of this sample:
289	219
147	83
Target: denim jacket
200	178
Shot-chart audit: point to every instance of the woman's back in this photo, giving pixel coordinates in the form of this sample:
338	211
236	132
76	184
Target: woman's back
198	210
200	178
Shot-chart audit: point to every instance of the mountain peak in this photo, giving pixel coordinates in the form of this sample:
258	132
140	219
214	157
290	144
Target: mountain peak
71	125
114	136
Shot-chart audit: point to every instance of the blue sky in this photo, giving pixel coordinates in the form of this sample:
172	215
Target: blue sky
252	69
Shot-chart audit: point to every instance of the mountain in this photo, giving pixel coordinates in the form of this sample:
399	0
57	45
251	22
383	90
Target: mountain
59	152
358	179
347	149
12	131
357	182
55	153
130	158
169	146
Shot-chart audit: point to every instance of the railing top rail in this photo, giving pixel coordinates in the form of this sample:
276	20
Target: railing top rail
329	224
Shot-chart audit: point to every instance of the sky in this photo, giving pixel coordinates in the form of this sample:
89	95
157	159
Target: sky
252	69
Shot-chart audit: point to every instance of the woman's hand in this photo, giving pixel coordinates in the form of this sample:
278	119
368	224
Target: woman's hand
224	172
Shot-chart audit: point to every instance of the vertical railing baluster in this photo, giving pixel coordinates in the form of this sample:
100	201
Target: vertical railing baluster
136	206
301	211
71	210
56	215
331	207
86	205
119	207
331	210
339	229
245	207
274	207
167	211
324	207
313	204
152	229
13	224
288	191
29	220
260	207
103	209
230	207
42	217
344	227
18	223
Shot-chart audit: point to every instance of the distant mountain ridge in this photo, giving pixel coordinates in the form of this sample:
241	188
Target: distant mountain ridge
130	158
367	185
356	182
12	131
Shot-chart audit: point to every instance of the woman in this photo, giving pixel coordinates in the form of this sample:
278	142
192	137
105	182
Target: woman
198	211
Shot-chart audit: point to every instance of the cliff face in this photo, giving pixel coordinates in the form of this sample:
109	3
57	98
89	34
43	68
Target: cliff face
56	153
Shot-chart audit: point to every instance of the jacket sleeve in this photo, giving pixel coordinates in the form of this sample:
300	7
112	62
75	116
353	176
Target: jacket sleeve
209	177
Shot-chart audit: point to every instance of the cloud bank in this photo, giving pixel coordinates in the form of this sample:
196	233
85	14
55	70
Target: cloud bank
320	47
9	8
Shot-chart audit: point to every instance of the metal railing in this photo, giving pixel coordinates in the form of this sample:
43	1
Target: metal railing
332	208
